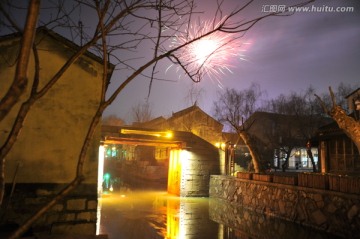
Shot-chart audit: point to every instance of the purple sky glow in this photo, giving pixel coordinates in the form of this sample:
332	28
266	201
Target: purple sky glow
284	54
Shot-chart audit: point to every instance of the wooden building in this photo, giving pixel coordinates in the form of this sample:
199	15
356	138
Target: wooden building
337	151
280	136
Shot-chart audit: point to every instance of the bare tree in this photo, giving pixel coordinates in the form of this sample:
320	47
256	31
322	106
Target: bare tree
20	82
303	119
112	120
139	23
233	108
348	124
194	94
141	112
341	91
306	117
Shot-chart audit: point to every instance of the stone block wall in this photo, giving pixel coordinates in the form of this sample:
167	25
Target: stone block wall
196	171
76	214
247	223
335	212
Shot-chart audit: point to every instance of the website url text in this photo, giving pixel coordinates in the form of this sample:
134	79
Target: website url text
284	8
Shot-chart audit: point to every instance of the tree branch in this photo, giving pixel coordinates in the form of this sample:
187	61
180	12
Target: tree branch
19	84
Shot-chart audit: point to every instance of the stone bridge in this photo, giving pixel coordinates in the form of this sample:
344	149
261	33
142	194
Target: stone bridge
191	159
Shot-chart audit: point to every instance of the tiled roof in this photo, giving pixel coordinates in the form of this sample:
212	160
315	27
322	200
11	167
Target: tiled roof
59	38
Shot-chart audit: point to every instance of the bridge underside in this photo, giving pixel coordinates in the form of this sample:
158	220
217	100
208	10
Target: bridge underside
191	159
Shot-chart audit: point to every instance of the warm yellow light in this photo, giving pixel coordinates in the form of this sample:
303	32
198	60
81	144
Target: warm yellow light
166	134
100	168
217	145
99	185
173	222
174	176
169	134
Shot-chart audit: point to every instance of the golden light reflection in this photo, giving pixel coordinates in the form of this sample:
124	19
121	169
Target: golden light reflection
187	217
98	215
155	214
178	163
174	174
172	219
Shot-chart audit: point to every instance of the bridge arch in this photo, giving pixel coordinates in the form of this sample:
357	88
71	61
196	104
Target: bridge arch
191	159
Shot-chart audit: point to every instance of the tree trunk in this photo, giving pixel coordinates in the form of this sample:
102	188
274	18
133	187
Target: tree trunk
20	82
255	156
350	126
284	166
310	155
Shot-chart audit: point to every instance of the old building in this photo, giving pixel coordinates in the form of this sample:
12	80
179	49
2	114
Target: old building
280	136
192	119
337	151
153	162
44	157
195	120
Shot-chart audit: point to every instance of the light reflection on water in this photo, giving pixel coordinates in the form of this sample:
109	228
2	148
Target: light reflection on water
155	214
146	214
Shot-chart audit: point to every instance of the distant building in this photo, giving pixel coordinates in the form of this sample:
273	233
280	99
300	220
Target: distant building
178	160
280	136
192	119
44	158
353	100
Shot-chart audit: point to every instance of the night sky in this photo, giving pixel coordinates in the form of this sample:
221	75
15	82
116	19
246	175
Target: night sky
284	54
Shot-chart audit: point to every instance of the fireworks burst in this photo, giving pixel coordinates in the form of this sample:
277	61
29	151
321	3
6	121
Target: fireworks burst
211	55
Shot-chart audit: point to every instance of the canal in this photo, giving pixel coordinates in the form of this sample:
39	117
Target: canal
148	213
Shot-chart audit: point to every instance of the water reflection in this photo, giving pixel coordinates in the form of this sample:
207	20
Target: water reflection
155	214
245	223
146	214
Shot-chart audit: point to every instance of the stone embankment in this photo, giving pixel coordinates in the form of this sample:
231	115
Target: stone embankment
247	223
335	212
75	215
